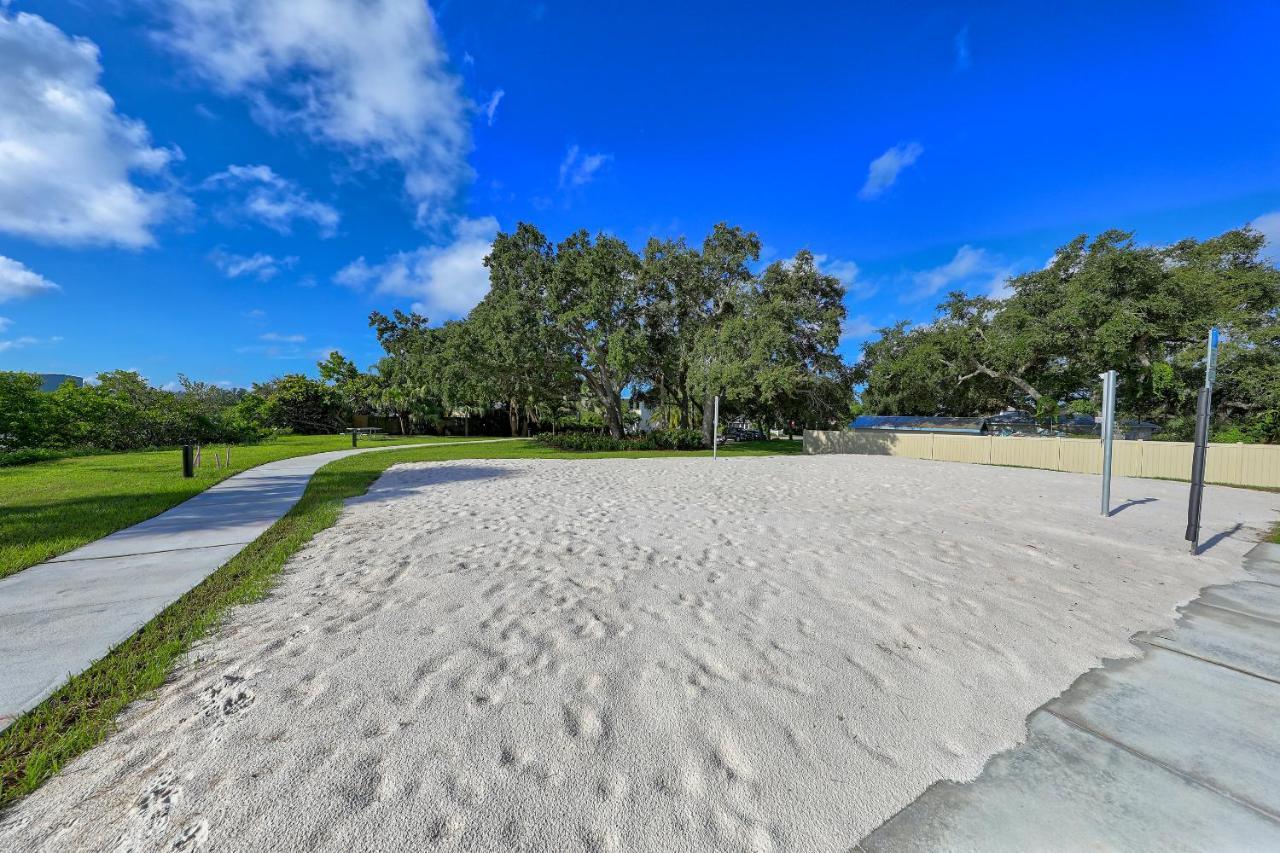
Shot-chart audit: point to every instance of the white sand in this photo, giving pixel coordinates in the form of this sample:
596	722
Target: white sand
752	654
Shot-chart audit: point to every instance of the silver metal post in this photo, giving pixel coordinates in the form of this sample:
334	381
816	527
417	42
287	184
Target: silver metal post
715	429
1108	432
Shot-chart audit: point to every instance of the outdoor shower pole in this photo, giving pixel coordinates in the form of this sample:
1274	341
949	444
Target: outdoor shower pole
715	429
1108	432
1204	408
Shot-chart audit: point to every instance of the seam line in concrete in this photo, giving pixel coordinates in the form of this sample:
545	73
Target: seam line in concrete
1238	612
89	607
145	553
1139	754
1210	661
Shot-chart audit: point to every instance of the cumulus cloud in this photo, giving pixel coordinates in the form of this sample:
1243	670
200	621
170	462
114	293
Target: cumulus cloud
67	158
491	108
18	282
446	281
971	268
369	77
277	337
259	265
1269	226
276	202
884	170
577	168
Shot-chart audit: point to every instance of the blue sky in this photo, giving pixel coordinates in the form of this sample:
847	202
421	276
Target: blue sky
226	190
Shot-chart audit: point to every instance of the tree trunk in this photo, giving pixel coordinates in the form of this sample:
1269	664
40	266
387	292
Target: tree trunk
708	421
613	414
513	417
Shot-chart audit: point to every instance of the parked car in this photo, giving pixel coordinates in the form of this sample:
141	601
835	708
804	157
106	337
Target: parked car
736	433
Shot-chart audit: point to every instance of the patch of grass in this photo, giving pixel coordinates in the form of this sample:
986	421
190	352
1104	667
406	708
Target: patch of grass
50	508
83	711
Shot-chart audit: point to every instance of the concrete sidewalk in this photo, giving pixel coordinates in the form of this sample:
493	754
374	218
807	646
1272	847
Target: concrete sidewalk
1176	750
58	617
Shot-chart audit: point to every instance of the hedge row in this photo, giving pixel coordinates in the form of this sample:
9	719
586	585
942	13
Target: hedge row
671	439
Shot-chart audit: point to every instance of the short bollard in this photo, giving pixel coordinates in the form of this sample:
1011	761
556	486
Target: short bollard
353	437
188	461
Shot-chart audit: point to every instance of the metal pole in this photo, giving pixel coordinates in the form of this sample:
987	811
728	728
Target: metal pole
354	433
715	429
1204	408
1108	433
188	461
1204	401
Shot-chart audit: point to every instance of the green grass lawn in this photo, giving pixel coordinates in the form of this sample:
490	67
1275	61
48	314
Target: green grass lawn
49	508
83	711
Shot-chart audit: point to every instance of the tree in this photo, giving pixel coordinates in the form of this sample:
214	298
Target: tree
695	292
25	416
1101	304
303	405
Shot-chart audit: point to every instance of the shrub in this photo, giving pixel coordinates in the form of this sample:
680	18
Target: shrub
674	439
37	454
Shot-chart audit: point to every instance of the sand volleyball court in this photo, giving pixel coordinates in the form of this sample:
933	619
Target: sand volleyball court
664	655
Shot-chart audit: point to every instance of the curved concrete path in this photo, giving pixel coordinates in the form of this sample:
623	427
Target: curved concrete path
58	617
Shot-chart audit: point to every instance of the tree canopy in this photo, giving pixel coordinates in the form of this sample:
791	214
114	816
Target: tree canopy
1099	304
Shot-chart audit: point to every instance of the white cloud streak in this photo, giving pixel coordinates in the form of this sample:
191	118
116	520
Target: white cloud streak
262	195
259	265
491	108
963	59
67	158
18	282
369	77
446	281
971	268
578	169
884	170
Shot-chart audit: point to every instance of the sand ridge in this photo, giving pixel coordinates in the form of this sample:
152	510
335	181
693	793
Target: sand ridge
664	654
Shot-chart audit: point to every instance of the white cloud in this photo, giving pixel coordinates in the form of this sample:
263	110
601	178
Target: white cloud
492	107
884	170
370	77
17	282
259	265
272	200
283	339
577	168
848	273
856	329
27	341
963	60
970	268
67	158
5	323
446	281
1269	225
